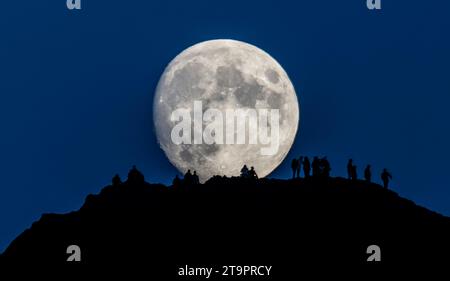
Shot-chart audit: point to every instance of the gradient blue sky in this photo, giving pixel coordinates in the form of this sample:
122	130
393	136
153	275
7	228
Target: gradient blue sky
76	90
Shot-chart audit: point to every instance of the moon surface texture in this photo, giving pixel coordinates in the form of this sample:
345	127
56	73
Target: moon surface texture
224	74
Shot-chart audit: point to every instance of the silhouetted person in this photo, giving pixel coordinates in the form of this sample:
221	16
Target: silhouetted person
176	181
326	167
244	172
368	174
316	167
306	167
350	169
385	177
188	178
354	173
135	176
294	167
252	173
195	179
116	180
299	166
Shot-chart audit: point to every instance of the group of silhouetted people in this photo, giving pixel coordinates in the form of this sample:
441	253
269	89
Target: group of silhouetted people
352	173
248	174
188	180
134	176
193	179
320	167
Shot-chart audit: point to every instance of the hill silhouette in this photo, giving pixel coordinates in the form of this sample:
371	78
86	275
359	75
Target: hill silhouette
236	221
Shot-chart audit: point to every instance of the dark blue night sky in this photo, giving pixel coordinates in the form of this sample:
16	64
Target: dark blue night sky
76	91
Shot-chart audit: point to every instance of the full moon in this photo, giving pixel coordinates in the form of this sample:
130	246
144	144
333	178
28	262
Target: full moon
224	74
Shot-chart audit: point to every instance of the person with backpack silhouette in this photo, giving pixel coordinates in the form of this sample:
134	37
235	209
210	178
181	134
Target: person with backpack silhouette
306	167
294	167
368	174
385	177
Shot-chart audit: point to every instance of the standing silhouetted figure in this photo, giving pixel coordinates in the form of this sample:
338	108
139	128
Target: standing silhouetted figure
188	178
116	180
316	167
368	174
306	167
195	179
299	166
294	167
252	173
350	169
244	172
385	177
326	167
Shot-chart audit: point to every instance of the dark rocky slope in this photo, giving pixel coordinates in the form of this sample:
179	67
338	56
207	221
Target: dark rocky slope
285	223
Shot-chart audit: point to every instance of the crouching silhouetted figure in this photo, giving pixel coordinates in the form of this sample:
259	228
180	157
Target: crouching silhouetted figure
116	181
252	173
134	176
244	172
385	177
368	174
